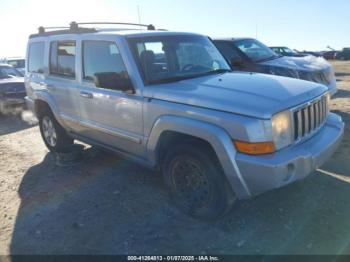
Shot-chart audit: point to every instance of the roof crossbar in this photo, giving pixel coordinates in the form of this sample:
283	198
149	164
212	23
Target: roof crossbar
149	27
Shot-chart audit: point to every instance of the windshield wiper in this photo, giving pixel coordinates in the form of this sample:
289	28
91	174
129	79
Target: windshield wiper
180	78
217	71
170	79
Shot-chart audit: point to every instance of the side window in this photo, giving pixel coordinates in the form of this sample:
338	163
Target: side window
228	51
36	57
62	58
101	57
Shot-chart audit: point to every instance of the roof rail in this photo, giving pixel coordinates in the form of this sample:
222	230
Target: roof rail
149	27
74	28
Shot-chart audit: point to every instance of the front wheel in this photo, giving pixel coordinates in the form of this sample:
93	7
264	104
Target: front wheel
196	181
53	134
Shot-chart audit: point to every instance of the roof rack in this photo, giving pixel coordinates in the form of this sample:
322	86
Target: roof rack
149	27
74	28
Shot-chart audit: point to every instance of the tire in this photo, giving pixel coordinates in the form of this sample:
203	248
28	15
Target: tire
196	182
53	134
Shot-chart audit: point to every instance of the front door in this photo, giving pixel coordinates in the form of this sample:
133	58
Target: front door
108	116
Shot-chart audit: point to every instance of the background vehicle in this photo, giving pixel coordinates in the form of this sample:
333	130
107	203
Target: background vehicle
312	53
247	54
344	54
330	55
16	62
285	51
12	91
169	100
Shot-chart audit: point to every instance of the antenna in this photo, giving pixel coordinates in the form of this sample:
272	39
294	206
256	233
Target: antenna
138	14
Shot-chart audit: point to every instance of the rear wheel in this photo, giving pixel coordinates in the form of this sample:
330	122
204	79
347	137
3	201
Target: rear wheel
196	181
53	134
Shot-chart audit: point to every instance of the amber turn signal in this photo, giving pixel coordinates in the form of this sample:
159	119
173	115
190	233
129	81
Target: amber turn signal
254	148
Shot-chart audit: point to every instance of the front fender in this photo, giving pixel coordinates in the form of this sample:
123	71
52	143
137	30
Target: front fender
214	135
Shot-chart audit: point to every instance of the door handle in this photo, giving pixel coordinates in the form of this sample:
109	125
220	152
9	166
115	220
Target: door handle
86	95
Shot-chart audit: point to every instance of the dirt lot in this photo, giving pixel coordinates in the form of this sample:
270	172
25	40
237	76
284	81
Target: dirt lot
106	205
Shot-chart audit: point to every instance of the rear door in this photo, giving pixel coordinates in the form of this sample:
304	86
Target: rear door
62	81
111	117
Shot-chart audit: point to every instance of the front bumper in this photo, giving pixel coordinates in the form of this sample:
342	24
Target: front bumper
11	102
30	103
263	173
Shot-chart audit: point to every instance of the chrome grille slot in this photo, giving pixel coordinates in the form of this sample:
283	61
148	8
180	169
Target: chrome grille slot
309	117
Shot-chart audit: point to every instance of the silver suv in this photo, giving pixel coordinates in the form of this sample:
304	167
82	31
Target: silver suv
169	100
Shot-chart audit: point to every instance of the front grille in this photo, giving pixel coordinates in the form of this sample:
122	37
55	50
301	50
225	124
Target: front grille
13	90
310	117
15	95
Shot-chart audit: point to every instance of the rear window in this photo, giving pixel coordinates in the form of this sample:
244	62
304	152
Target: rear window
36	57
62	58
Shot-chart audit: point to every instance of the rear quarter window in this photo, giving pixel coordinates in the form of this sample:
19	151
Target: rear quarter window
36	57
62	58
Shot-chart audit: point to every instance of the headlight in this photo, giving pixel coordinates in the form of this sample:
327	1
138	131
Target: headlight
328	99
282	132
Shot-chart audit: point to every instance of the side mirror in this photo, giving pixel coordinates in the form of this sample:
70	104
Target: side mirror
114	81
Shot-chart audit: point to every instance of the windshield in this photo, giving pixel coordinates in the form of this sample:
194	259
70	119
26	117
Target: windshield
177	57
255	50
9	72
18	63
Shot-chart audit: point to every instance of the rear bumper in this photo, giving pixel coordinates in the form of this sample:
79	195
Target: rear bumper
263	173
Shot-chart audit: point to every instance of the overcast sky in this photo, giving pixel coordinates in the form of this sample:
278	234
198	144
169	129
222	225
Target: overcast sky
300	24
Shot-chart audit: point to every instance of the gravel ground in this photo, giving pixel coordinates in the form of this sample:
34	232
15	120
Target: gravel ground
107	205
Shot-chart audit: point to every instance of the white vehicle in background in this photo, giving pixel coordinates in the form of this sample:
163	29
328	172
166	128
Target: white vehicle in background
16	62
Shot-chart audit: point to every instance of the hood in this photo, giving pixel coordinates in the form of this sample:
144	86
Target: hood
250	94
307	63
12	80
15	84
